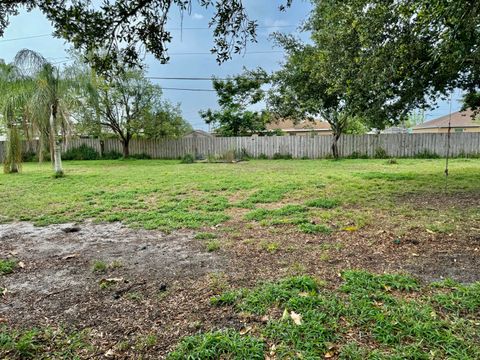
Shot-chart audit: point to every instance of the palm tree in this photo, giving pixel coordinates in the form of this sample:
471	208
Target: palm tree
49	102
13	97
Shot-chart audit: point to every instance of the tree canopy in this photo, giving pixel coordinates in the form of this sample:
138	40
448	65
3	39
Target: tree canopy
125	28
235	95
410	52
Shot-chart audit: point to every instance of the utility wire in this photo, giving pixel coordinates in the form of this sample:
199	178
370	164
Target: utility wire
170	29
187	89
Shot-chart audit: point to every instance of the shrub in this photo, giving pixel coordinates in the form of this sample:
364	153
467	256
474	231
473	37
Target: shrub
426	154
83	152
262	156
187	159
380	153
141	156
112	155
357	155
280	156
29	156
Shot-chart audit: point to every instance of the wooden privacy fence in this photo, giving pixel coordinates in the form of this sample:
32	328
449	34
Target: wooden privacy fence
313	147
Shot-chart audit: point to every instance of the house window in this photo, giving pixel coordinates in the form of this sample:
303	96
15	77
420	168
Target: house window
458	130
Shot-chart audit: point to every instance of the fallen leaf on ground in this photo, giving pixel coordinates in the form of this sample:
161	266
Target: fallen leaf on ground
70	256
303	294
245	330
285	314
111	280
21	264
430	231
110	353
328	355
297	318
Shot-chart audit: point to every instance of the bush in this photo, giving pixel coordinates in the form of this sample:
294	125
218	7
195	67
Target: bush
83	152
280	156
380	153
262	156
141	156
112	155
357	155
29	156
187	159
426	154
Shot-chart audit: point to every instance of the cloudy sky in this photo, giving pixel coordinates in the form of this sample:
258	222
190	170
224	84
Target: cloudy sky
189	51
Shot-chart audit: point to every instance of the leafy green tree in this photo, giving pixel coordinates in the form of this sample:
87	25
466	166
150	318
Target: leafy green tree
128	105
235	95
314	82
125	28
411	52
165	121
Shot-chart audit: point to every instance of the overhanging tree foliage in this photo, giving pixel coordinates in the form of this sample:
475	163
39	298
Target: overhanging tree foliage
125	28
411	53
316	78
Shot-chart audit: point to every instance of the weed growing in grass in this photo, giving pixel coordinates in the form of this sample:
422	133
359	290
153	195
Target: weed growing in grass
308	228
379	307
99	266
187	159
43	343
286	214
145	342
324	203
441	228
134	296
205	236
218	281
269	246
7	266
213	245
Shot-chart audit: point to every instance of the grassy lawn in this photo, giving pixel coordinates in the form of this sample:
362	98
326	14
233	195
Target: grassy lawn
326	259
167	195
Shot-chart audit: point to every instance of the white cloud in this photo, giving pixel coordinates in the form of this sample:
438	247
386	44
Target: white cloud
197	16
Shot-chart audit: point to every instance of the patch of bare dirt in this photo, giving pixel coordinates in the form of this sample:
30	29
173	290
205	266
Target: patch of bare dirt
156	283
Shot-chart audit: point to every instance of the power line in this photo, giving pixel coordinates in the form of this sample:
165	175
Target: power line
185	78
209	53
25	37
187	89
170	29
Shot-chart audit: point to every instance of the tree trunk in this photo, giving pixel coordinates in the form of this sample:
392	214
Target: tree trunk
335	146
57	151
126	150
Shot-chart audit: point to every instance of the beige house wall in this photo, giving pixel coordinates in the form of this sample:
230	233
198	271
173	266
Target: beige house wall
307	133
444	130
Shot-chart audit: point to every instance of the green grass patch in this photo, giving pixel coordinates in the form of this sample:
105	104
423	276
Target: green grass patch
219	345
7	266
205	236
437	322
43	343
308	228
166	195
323	203
213	245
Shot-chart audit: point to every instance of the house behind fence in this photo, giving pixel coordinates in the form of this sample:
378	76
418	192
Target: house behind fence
312	147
